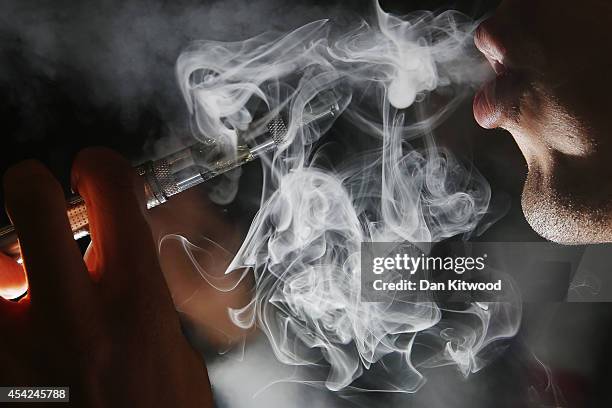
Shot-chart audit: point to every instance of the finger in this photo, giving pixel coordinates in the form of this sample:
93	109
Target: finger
13	287
13	282
91	262
35	204
121	238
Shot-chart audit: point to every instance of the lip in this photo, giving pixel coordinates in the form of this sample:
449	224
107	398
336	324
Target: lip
490	43
498	100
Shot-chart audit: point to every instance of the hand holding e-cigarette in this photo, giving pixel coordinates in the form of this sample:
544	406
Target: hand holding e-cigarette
83	322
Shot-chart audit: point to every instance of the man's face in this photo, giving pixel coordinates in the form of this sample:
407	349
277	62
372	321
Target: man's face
554	82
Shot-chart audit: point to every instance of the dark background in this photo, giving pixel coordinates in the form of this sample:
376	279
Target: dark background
84	73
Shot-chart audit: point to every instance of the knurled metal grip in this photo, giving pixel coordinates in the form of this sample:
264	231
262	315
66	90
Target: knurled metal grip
77	215
164	177
277	129
160	183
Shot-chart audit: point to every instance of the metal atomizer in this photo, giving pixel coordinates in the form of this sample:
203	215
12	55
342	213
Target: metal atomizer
180	171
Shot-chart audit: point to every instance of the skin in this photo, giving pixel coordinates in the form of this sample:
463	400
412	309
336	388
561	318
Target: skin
552	93
203	306
104	325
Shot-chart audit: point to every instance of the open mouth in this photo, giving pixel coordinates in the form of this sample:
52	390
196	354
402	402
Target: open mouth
498	99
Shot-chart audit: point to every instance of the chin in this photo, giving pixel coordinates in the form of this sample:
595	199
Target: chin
562	217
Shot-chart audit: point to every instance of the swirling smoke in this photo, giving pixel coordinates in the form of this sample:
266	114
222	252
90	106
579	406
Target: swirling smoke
394	80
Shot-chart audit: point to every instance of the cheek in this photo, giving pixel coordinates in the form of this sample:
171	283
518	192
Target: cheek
544	130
